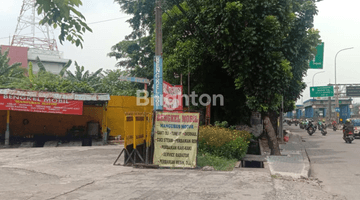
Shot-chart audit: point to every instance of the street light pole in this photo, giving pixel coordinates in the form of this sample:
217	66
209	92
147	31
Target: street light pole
336	86
313	86
314	76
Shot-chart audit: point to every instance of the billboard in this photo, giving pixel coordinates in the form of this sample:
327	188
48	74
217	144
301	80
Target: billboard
353	91
41	105
175	139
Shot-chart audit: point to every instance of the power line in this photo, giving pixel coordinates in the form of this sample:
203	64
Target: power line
107	20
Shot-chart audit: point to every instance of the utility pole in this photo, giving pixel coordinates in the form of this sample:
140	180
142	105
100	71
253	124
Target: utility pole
337	87
158	39
281	119
158	74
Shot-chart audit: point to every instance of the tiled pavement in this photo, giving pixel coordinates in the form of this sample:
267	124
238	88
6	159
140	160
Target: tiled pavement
293	162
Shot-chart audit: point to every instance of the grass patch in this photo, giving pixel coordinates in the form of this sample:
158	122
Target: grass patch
219	163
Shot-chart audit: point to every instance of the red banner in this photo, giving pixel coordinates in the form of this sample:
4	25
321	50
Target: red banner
208	109
172	97
41	105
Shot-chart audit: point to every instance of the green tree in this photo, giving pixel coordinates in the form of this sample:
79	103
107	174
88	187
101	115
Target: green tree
81	75
64	14
111	84
264	46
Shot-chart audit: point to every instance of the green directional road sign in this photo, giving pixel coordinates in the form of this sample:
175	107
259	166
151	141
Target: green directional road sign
322	91
317	63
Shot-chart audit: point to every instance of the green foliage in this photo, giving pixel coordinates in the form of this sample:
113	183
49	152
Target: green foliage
219	163
223	124
79	82
223	142
112	85
31	72
92	79
64	14
251	52
40	65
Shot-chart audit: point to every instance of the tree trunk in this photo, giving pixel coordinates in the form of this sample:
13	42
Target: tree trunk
273	142
274	121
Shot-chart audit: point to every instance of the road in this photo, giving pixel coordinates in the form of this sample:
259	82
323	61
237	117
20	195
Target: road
59	173
334	162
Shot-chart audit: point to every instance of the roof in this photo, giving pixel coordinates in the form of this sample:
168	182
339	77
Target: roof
47	58
55	95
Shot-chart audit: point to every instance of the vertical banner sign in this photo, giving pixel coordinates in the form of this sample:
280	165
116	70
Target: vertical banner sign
317	63
172	97
158	81
175	139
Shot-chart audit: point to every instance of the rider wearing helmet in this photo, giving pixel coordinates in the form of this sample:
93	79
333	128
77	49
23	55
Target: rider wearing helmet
347	127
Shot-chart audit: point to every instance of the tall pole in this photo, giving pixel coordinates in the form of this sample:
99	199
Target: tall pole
313	86
336	86
7	132
189	83
281	119
158	39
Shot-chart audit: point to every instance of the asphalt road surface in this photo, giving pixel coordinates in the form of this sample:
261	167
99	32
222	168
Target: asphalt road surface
334	162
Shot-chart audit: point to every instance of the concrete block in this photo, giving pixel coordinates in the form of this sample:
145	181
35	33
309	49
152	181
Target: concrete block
71	144
27	144
51	144
97	143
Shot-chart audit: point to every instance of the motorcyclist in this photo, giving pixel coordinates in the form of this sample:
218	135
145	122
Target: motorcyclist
348	126
334	123
323	123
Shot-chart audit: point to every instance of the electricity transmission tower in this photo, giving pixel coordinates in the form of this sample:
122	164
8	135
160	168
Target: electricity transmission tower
29	33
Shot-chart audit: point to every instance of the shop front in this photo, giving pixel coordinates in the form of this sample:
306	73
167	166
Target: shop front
48	115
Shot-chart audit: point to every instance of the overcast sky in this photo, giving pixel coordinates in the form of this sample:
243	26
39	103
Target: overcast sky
97	44
338	22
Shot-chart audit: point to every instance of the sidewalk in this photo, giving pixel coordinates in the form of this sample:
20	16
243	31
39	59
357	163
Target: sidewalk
293	161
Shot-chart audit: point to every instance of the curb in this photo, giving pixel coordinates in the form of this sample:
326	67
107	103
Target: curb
305	172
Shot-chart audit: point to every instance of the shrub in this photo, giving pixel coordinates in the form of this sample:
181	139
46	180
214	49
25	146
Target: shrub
223	141
223	124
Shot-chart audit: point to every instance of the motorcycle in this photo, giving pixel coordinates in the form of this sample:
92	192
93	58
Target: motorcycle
310	128
349	136
334	127
323	129
288	122
302	125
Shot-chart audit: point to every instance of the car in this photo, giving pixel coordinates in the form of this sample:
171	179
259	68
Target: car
356	123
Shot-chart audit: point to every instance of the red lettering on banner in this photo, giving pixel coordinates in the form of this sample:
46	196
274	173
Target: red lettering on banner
189	118
41	105
168	118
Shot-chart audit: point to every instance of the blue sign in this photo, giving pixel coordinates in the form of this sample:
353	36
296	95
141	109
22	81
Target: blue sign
158	83
135	79
337	109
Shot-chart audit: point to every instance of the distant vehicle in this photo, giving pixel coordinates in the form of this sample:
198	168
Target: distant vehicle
356	123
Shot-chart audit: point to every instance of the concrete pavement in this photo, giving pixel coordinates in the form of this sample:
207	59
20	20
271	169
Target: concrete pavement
293	162
88	173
